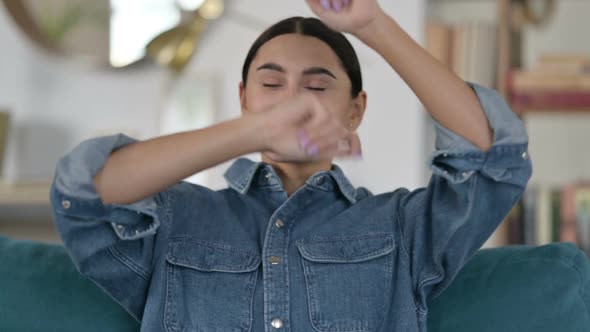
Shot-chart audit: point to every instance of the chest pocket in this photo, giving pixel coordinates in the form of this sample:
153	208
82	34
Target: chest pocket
210	286
348	280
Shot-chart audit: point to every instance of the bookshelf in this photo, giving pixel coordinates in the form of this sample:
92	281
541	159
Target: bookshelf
24	194
26	212
551	94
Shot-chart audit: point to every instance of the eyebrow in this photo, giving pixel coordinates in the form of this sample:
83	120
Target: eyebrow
308	71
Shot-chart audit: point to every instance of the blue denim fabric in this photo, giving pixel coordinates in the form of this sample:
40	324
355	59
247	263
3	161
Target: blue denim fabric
328	258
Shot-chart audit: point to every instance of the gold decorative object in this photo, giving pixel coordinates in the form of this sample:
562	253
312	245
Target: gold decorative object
88	31
538	12
105	33
174	48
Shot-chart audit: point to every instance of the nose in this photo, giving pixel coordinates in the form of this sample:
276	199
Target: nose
290	91
293	90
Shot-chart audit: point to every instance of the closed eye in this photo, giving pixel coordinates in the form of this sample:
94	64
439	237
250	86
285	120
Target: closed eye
271	85
315	88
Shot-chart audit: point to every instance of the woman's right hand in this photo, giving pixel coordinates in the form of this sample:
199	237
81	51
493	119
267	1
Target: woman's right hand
301	129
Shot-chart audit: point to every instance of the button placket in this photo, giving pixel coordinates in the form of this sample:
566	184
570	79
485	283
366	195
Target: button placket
275	271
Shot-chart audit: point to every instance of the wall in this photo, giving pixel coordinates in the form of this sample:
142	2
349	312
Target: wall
57	104
567	30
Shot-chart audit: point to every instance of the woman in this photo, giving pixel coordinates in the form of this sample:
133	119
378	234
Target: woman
291	244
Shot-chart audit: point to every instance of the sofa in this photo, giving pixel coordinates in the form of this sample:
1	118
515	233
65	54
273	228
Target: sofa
507	289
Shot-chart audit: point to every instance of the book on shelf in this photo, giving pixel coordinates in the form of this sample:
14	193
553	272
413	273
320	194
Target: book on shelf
551	100
556	82
552	214
466	48
563	63
438	41
536	81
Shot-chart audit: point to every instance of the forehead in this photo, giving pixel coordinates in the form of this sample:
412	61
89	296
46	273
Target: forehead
295	52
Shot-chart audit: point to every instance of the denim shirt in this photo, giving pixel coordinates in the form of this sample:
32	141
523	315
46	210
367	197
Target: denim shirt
330	257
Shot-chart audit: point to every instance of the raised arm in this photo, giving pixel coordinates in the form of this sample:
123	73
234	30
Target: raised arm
136	171
449	100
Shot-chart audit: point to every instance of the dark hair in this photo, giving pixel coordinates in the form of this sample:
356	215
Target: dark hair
314	28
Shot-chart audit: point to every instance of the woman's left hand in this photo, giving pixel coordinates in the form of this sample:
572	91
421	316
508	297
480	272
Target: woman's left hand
350	16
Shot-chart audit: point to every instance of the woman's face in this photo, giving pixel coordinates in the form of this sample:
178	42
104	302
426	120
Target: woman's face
291	64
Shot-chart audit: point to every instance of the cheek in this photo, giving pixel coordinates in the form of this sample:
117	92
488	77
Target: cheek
339	105
258	100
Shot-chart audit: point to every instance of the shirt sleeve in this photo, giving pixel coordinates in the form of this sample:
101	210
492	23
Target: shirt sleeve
469	194
113	245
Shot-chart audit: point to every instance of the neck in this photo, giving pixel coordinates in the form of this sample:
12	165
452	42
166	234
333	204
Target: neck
294	175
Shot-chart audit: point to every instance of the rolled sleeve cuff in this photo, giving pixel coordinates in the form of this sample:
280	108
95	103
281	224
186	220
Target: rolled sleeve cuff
129	222
499	164
457	159
74	194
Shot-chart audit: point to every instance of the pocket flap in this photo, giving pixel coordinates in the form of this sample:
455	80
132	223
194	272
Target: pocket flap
347	249
208	256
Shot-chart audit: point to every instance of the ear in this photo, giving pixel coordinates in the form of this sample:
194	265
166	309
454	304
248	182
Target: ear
358	108
243	98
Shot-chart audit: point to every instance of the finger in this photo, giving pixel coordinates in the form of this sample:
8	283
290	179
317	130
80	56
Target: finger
355	145
336	149
337	5
323	6
317	115
310	116
326	139
303	109
318	6
323	150
343	146
328	128
355	150
347	147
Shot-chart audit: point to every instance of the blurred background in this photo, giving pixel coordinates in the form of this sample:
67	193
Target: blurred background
76	69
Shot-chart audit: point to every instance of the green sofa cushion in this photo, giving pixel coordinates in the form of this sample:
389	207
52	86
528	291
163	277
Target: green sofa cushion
517	289
508	289
41	290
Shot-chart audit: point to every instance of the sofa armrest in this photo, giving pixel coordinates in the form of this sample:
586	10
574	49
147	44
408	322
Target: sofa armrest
517	288
42	291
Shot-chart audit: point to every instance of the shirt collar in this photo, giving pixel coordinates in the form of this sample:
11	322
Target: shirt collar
242	172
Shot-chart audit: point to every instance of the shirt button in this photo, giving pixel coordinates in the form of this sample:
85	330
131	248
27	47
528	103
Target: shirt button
120	227
66	204
277	323
279	223
268	175
524	155
319	181
274	260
